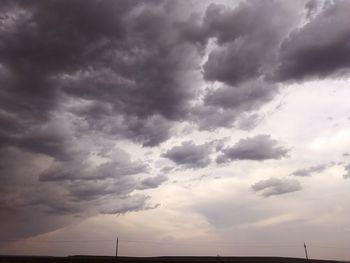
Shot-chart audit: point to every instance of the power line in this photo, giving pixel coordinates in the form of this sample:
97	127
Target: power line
180	243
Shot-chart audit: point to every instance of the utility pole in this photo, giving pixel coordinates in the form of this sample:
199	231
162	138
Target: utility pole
307	258
116	248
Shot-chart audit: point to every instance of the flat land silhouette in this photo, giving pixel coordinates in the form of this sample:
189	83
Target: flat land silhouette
180	259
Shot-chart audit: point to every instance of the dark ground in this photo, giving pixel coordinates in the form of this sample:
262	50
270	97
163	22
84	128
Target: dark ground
102	259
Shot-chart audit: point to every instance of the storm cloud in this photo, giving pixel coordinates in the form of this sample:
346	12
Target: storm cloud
257	148
81	80
76	78
243	55
90	58
310	53
120	165
247	39
228	106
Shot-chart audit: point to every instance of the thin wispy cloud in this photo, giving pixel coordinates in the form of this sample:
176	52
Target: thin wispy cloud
276	186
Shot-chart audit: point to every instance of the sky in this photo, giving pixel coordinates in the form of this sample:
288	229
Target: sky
181	127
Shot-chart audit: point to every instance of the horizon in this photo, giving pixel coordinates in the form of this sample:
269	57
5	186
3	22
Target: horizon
174	258
194	127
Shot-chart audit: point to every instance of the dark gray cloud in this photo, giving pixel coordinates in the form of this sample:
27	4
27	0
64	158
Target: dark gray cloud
37	46
119	166
276	186
27	207
247	39
100	116
347	171
149	131
212	117
311	170
310	53
96	66
81	191
30	222
91	56
66	189
257	148
83	181
228	106
77	77
265	41
246	97
244	51
190	155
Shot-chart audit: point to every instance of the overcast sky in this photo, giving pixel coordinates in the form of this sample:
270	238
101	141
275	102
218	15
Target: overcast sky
183	127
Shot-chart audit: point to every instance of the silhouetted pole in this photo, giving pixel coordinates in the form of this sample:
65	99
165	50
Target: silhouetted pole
307	258
116	248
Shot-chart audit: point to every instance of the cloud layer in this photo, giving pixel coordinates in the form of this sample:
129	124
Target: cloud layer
80	79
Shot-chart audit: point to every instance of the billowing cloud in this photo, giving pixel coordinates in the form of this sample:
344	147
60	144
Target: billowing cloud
229	106
276	186
243	98
190	155
65	189
241	58
72	88
108	43
119	166
149	131
247	36
257	148
310	53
